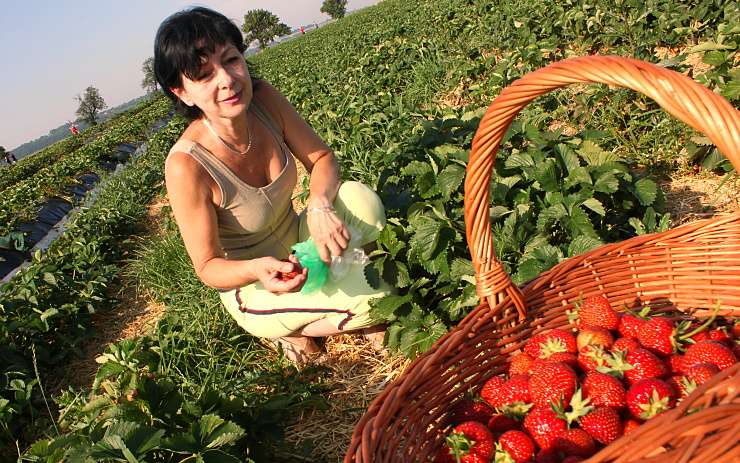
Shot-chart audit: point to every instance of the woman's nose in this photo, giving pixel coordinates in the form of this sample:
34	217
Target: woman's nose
225	79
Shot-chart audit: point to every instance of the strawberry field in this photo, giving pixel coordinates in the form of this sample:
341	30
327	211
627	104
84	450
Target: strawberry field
397	90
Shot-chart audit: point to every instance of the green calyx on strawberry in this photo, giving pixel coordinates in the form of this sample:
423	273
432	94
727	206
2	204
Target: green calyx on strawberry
543	345
649	397
470	442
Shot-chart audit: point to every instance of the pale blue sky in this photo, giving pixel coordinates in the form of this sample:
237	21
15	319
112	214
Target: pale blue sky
53	50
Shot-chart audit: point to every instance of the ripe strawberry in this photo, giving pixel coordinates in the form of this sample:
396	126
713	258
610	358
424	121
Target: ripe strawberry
470	410
500	422
563	357
644	365
592	357
544	425
604	390
491	390
709	352
520	364
700	373
625	344
514	394
514	446
470	442
594	336
603	424
552	382
649	397
658	335
597	312
576	442
629	325
630	425
721	334
675	363
549	455
682	386
545	344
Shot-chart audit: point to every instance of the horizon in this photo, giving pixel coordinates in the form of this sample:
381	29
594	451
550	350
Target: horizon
123	38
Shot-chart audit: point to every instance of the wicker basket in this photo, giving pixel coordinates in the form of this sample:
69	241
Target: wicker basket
688	268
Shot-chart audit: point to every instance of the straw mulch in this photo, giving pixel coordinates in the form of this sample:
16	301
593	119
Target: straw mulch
691	197
357	375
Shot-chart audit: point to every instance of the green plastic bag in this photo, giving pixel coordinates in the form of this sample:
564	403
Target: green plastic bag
318	271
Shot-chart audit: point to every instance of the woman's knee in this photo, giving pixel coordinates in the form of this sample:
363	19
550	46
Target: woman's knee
360	207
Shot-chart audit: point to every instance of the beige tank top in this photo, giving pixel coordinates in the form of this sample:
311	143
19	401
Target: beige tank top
252	222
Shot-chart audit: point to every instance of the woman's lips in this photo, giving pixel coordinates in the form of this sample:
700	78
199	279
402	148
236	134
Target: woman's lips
234	99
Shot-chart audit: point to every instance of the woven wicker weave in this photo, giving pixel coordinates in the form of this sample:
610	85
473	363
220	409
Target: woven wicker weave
688	268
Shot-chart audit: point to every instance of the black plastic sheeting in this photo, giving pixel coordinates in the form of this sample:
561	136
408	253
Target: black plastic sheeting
55	209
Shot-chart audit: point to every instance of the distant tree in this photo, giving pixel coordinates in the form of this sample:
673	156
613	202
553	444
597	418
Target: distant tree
334	8
2	151
263	26
91	103
149	83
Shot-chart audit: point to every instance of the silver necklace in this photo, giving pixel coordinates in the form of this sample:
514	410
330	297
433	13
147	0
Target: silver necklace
228	146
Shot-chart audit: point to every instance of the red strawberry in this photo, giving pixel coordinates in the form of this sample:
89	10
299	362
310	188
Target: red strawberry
603	424
576	442
700	373
491	390
597	312
549	455
520	364
563	357
709	352
649	397
720	334
470	442
625	344
544	425
500	422
552	382
658	335
545	344
516	445
604	390
594	336
630	425
675	363
592	357
644	365
514	394
682	386
629	325
470	410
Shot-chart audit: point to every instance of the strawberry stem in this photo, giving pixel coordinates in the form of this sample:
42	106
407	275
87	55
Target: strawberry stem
703	326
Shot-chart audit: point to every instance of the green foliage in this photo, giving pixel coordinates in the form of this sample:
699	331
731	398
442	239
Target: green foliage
149	81
263	26
91	103
334	8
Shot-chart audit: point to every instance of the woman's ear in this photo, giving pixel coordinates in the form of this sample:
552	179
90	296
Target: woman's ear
182	95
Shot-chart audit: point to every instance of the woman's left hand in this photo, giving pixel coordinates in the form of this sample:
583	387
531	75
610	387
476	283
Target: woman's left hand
329	233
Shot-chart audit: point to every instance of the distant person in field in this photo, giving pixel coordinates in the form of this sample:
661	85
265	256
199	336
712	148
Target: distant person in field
230	180
10	158
73	128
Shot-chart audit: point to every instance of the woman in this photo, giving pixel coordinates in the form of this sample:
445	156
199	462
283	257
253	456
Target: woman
230	178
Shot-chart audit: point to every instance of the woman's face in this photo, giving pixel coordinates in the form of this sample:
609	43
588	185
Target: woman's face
223	87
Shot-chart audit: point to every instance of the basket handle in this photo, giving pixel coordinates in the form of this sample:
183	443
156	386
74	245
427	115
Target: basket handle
677	94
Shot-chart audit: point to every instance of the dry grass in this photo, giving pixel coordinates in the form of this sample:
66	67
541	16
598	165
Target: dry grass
692	197
357	375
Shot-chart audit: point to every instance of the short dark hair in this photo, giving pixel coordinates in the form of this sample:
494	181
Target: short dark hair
182	40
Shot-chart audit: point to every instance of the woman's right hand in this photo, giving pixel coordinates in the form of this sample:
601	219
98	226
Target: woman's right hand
279	276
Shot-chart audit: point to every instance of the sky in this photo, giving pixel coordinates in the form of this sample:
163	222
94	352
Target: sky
53	50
